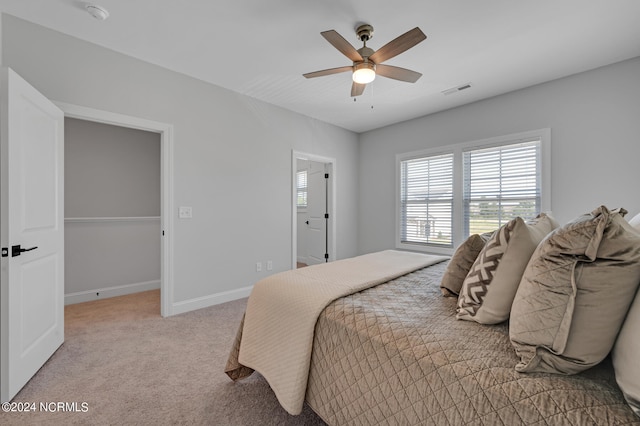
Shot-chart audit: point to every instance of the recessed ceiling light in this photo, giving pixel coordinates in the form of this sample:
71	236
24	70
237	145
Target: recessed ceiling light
98	12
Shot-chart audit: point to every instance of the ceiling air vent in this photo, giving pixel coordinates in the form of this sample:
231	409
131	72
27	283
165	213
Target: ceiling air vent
456	89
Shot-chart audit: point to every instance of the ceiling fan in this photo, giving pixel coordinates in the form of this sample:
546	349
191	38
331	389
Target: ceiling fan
367	62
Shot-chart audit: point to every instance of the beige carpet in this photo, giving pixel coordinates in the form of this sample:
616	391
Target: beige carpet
131	366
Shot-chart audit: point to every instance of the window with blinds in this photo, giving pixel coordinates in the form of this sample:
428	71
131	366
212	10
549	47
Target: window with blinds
426	200
445	195
301	186
500	183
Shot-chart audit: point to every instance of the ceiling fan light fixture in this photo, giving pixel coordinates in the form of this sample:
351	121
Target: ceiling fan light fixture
364	72
365	62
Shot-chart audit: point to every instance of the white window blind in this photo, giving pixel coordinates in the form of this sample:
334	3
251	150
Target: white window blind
426	200
301	186
501	183
472	187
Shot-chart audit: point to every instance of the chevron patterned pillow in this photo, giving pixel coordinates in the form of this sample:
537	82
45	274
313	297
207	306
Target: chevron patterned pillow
476	284
488	290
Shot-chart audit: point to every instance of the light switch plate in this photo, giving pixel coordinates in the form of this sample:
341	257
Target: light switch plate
185	212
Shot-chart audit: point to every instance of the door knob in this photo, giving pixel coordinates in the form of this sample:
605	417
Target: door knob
307	222
16	250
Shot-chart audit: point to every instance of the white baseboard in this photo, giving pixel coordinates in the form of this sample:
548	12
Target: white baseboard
206	301
103	293
176	308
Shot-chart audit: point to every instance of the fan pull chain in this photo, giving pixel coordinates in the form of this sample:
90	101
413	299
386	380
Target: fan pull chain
355	99
371	96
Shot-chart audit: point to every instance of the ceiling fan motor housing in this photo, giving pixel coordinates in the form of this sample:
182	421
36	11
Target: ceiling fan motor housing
365	52
364	71
364	32
364	65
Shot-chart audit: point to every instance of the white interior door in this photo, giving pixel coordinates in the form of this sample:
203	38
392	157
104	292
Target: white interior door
316	210
32	202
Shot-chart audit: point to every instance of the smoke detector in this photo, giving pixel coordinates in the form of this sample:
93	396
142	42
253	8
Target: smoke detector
98	12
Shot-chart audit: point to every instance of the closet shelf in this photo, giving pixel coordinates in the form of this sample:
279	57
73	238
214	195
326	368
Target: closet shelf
110	219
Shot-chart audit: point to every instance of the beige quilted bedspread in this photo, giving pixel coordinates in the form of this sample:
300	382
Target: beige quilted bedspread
278	327
394	354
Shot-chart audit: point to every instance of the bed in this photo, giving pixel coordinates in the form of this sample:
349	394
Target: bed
394	353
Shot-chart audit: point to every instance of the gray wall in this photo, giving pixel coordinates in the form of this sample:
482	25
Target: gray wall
111	173
595	144
232	155
110	170
228	145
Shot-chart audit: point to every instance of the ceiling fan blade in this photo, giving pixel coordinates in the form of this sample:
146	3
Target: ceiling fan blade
342	45
357	89
398	45
328	72
397	73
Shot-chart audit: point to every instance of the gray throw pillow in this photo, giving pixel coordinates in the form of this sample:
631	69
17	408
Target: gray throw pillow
575	293
460	263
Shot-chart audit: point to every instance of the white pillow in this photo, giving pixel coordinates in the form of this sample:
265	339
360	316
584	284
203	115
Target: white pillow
625	356
635	221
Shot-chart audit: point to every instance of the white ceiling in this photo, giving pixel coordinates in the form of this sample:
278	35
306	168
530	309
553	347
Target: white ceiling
261	48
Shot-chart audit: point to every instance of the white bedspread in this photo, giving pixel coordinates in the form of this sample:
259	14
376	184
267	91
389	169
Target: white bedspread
282	311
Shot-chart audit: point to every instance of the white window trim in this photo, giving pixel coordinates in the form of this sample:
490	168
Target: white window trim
457	149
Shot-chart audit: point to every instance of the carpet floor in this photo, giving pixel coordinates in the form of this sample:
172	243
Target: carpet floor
122	363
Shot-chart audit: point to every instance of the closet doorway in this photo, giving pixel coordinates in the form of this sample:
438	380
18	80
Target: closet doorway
112	210
117	203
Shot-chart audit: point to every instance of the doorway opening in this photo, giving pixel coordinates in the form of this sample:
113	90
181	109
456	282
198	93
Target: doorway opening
313	209
112	211
142	223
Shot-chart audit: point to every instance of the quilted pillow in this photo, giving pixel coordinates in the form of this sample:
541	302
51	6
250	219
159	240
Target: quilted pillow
460	263
575	293
625	356
488	290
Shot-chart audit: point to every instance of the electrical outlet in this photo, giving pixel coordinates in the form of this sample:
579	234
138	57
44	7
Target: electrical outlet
269	265
258	266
